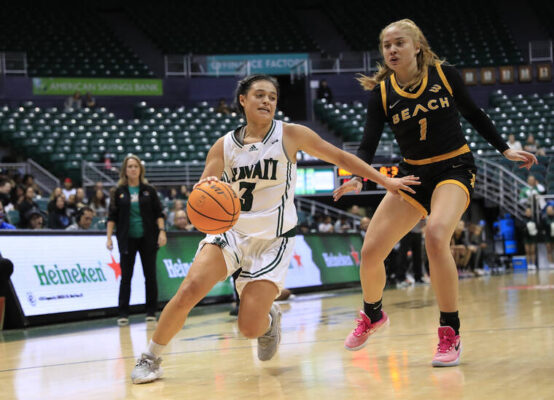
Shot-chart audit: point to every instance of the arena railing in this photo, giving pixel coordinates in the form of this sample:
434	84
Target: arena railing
44	179
497	184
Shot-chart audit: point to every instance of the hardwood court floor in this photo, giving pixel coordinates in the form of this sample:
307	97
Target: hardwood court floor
507	334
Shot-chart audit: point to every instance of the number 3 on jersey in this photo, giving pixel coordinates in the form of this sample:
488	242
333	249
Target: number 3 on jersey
423	129
246	198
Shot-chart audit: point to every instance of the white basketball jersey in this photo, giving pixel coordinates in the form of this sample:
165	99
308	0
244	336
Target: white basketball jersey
264	179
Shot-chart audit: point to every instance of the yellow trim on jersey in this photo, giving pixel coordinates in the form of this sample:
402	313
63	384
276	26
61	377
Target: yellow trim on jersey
443	78
384	96
406	94
413	202
457	183
462	150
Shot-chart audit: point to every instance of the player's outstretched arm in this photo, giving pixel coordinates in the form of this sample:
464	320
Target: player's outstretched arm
307	140
214	163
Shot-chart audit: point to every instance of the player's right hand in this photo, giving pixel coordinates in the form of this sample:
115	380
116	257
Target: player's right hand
206	179
351	185
109	244
393	185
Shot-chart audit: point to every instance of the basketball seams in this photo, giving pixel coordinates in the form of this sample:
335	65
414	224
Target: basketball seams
218	203
232	194
207	216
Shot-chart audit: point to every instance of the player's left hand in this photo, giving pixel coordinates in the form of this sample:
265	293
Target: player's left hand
162	239
528	159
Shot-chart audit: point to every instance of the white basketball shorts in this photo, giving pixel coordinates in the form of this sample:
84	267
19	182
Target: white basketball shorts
260	259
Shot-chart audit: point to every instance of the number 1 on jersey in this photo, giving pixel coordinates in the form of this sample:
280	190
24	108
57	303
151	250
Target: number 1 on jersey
246	198
423	129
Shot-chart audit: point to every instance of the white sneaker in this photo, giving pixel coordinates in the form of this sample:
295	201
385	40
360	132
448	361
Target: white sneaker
269	342
123	321
147	369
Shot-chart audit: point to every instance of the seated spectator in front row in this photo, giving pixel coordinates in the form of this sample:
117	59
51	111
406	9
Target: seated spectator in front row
99	203
181	222
5	189
528	192
342	225
513	143
35	219
83	220
326	226
73	102
58	218
3	223
26	204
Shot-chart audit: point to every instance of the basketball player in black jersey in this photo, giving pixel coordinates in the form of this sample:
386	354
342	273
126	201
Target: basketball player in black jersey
420	97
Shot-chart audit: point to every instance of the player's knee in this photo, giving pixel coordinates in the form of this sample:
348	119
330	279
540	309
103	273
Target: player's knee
249	329
371	253
187	293
436	237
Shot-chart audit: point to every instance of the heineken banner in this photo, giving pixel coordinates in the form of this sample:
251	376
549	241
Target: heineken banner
65	273
56	274
275	64
98	86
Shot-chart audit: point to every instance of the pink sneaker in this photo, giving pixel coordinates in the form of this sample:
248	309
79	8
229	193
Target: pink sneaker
357	339
449	348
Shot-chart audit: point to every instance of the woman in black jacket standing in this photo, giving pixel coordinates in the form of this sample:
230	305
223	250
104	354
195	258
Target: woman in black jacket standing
136	211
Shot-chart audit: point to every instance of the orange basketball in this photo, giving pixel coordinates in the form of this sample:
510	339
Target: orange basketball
213	207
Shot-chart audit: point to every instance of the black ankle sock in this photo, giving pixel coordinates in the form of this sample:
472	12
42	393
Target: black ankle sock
373	310
450	319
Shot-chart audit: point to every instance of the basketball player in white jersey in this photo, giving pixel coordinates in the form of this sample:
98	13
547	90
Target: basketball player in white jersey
259	162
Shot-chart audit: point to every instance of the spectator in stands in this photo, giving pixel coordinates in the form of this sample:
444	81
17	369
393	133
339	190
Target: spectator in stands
29	180
35	219
478	246
137	212
172	194
532	146
27	204
58	218
342	225
71	206
52	203
73	103
184	192
548	229
364	223
357	210
89	101
222	107
181	222
535	188
99	203
18	195
410	249
513	143
459	247
530	238
68	188
177	206
80	198
5	189
83	220
3	223
304	228
324	91
326	226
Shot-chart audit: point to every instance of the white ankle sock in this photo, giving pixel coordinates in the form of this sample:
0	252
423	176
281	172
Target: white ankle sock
155	349
270	321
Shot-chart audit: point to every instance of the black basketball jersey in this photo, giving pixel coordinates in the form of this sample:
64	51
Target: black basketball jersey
425	122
